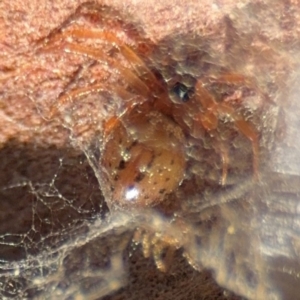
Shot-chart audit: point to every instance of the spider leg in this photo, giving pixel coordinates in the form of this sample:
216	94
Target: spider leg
132	78
108	36
137	76
231	78
239	79
207	101
80	92
248	130
210	123
209	119
134	81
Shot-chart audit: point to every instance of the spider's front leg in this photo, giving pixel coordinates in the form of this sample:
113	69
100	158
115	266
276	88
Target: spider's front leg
132	79
208	117
133	71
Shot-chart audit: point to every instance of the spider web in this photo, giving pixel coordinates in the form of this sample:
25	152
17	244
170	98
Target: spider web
70	247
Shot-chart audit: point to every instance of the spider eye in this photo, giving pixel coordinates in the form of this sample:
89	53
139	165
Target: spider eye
183	92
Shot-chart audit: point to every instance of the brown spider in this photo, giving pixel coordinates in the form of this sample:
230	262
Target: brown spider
143	157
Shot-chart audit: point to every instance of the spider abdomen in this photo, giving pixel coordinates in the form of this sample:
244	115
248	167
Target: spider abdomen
144	159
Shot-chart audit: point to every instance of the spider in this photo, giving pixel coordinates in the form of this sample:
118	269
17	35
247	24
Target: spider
143	149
